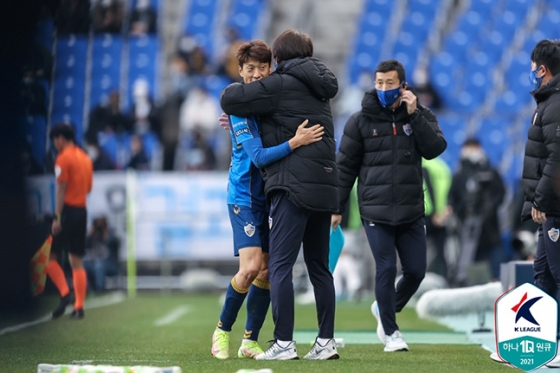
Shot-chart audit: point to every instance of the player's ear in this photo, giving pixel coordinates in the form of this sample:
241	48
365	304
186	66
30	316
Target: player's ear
240	68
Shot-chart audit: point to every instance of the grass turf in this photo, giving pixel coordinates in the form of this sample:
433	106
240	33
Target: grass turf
126	334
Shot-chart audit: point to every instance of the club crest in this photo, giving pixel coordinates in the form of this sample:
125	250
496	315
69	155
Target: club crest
553	234
249	229
407	128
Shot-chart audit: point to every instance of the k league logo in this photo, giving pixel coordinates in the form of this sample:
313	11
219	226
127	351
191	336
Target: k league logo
526	327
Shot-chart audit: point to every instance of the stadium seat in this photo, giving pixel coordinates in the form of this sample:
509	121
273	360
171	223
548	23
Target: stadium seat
494	138
385	7
105	68
214	84
36	133
109	143
245	16
143	65
200	23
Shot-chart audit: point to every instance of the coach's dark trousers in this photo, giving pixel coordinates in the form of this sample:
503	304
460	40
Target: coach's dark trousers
546	267
410	243
290	226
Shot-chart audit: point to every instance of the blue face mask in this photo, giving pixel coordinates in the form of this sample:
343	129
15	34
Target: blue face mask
388	97
535	80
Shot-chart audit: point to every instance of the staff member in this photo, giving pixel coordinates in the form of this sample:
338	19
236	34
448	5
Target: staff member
74	174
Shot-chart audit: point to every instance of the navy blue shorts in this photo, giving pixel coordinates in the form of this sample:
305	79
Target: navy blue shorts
250	228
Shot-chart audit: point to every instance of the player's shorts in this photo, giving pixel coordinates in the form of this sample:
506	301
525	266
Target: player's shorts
72	238
250	228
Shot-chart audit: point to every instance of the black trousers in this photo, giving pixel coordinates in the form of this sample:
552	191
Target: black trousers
290	226
410	243
546	267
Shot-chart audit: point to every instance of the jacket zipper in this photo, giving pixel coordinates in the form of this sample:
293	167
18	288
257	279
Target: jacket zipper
394	141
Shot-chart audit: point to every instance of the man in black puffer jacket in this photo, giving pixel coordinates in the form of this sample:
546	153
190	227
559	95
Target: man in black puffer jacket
541	167
301	188
383	145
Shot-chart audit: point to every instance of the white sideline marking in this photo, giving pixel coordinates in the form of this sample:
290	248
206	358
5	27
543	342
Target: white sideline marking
172	316
84	362
103	301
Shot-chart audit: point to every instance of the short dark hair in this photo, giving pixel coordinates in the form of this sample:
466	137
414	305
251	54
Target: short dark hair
547	53
292	44
253	50
472	141
63	129
391	65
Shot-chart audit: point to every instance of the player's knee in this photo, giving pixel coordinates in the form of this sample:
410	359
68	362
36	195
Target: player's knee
250	272
416	275
263	274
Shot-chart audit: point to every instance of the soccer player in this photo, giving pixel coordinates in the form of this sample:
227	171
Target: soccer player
74	174
248	211
383	145
302	187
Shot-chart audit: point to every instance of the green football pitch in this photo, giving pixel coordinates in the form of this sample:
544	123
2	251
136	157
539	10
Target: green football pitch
175	330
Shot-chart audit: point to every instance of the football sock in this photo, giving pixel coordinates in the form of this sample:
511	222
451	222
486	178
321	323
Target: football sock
234	300
283	344
56	274
258	301
80	285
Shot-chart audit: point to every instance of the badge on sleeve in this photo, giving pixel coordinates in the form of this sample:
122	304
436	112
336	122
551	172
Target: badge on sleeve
553	234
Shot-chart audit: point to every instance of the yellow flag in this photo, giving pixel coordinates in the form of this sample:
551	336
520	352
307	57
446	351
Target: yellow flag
38	266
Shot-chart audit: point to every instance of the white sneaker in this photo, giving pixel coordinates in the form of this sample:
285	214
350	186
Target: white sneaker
554	363
380	331
395	342
326	352
494	356
275	352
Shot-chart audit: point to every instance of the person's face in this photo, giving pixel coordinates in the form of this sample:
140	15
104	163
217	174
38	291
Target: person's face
58	143
253	70
540	69
387	81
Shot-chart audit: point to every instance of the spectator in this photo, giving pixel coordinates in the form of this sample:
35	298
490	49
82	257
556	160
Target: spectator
180	75
101	161
200	156
73	17
143	19
476	193
138	159
437	181
33	94
199	111
423	88
102	253
144	113
351	99
108	16
229	66
108	117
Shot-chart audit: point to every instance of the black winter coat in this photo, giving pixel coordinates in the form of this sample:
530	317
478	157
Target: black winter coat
384	149
299	89
542	153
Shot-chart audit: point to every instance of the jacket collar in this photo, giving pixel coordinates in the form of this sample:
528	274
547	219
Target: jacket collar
544	92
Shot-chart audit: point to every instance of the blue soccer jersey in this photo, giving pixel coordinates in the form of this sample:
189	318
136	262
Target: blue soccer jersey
245	187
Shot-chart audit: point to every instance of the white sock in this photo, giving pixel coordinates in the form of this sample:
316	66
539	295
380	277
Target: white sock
283	344
247	341
323	341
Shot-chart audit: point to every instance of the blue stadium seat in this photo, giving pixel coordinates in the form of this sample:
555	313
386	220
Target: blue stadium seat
244	17
384	7
519	6
494	43
442	71
36	132
69	82
532	39
144	58
453	128
214	84
374	22
472	22
151	144
517	74
458	44
508	103
509	22
200	22
550	23
494	138
109	143
106	67
484	6
419	26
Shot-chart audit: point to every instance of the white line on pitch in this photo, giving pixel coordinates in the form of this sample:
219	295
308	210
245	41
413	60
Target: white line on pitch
102	301
172	316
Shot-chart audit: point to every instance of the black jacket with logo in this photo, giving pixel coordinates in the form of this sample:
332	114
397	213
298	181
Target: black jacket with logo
542	153
384	149
299	89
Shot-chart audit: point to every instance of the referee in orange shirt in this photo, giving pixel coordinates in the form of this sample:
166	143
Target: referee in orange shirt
74	174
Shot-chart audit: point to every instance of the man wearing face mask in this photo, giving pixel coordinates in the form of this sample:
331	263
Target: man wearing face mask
540	167
383	145
476	193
